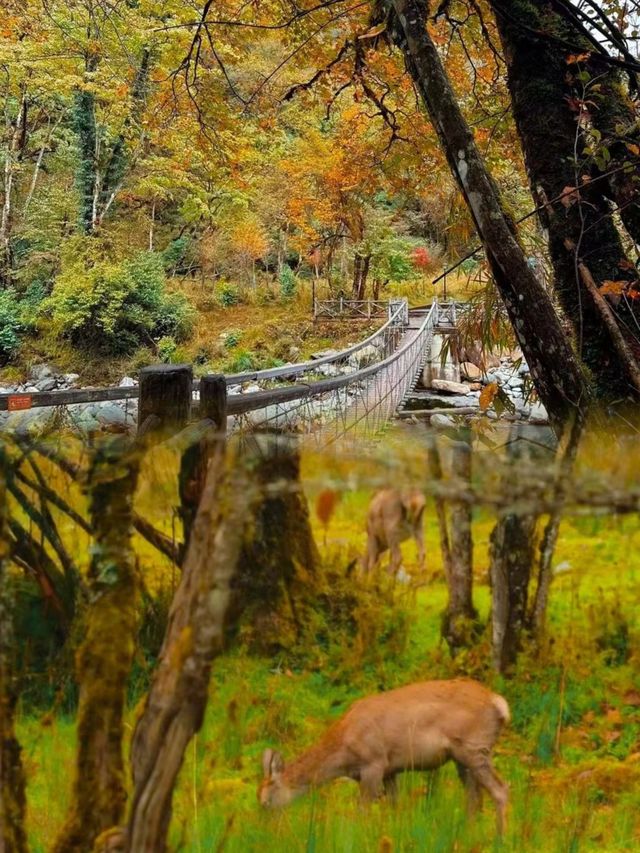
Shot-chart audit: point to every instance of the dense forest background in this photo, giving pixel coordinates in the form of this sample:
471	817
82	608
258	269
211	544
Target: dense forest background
152	176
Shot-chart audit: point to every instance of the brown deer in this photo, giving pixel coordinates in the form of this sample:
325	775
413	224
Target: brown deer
393	517
417	727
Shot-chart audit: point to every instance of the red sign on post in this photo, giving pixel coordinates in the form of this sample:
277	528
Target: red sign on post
17	402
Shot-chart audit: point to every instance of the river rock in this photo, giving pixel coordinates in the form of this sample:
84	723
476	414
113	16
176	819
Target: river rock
44	385
442	421
538	414
110	414
40	371
127	382
367	355
29	423
449	387
470	371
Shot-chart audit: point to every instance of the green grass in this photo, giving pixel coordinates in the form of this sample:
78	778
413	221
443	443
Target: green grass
571	755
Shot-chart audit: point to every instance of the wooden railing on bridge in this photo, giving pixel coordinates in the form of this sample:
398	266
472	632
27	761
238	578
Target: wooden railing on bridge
169	394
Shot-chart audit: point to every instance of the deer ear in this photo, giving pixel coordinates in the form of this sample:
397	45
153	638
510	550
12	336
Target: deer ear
272	764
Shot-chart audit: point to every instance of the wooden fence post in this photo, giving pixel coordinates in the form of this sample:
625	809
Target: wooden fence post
213	400
165	398
195	459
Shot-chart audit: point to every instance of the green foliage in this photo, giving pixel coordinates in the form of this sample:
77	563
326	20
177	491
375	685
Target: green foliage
228	294
288	282
242	361
10	323
167	347
31	303
114	307
232	339
175	252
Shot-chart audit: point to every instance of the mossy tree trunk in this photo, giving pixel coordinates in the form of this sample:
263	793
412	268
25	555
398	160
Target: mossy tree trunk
460	619
175	706
512	555
278	544
105	656
554	368
12	779
550	94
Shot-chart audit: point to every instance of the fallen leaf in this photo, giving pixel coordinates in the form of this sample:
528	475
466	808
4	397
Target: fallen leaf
488	395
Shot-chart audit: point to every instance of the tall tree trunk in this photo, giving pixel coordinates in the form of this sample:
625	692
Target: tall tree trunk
536	325
357	275
175	706
565	458
12	780
512	556
104	659
435	473
84	122
278	543
15	134
461	616
548	99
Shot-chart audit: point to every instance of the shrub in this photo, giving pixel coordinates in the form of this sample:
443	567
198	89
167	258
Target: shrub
10	323
243	360
31	303
175	252
167	347
288	283
232	339
228	295
114	307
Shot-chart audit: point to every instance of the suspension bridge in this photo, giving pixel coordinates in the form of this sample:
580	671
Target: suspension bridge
353	392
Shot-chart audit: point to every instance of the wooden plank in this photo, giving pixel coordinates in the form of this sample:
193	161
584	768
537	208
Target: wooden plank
43	399
427	413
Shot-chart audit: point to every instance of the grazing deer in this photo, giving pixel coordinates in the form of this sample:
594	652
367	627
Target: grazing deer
417	727
394	516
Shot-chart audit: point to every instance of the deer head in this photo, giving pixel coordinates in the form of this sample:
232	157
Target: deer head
274	791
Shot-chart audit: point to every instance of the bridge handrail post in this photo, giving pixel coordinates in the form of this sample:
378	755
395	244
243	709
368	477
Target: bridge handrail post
164	396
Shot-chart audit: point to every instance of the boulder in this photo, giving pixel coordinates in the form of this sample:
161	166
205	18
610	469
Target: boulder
110	414
448	387
442	421
40	371
538	414
30	422
44	385
367	355
470	371
127	382
70	379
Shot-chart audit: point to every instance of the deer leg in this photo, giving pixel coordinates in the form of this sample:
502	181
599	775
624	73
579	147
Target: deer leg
371	783
391	787
486	776
372	556
419	537
396	557
472	788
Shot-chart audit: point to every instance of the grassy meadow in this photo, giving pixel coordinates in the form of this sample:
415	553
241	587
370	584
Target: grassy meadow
571	754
